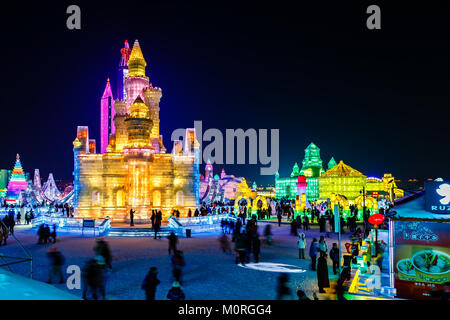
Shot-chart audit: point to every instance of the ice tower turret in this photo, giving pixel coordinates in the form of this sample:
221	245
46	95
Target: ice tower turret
136	80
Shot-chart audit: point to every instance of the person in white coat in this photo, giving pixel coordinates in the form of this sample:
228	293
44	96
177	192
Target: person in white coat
301	241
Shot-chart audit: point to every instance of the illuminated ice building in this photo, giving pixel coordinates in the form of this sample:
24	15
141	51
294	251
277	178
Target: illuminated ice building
340	183
215	188
133	169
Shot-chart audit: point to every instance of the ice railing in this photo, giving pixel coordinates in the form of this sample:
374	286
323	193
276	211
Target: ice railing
202	223
64	224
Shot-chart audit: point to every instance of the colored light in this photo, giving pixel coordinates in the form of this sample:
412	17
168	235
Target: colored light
376	219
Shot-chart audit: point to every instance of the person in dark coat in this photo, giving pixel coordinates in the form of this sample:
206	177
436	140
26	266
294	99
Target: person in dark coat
102	249
283	290
313	253
93	278
305	222
173	240
302	295
152	218
175	293
322	273
132	217
334	255
178	263
294	228
240	248
322	224
256	246
150	283
157	226
279	218
56	263
53	234
4	233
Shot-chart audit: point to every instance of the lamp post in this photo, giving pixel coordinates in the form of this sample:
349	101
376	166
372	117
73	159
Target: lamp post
376	219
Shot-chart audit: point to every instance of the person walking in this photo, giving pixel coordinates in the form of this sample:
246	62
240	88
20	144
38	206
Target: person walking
152	218
157	225
224	243
4	233
326	226
305	222
256	246
301	241
150	283
268	234
102	249
92	276
178	263
313	253
283	291
322	224
132	217
173	240
302	295
322	246
322	273
175	293
279	218
56	262
239	248
334	255
53	234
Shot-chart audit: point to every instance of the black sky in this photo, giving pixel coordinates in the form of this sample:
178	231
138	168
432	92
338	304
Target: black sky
378	99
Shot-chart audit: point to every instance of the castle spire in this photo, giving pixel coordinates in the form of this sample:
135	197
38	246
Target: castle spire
107	114
136	62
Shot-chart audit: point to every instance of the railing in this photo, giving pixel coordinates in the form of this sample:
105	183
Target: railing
199	224
16	259
65	224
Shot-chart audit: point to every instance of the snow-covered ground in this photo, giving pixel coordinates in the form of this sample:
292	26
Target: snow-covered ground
208	274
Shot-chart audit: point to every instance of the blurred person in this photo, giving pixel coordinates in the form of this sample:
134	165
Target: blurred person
224	243
57	260
102	249
313	253
175	293
322	273
283	291
173	240
150	283
302	295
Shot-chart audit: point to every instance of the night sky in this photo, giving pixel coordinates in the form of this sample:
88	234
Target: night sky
377	99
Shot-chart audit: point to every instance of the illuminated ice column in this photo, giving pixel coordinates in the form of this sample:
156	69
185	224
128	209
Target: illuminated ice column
301	190
77	149
152	97
136	80
83	138
106	117
121	134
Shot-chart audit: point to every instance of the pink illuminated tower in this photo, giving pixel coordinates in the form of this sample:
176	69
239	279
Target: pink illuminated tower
301	189
301	185
106	117
136	80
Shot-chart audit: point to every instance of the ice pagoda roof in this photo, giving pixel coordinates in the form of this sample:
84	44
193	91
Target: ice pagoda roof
342	170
